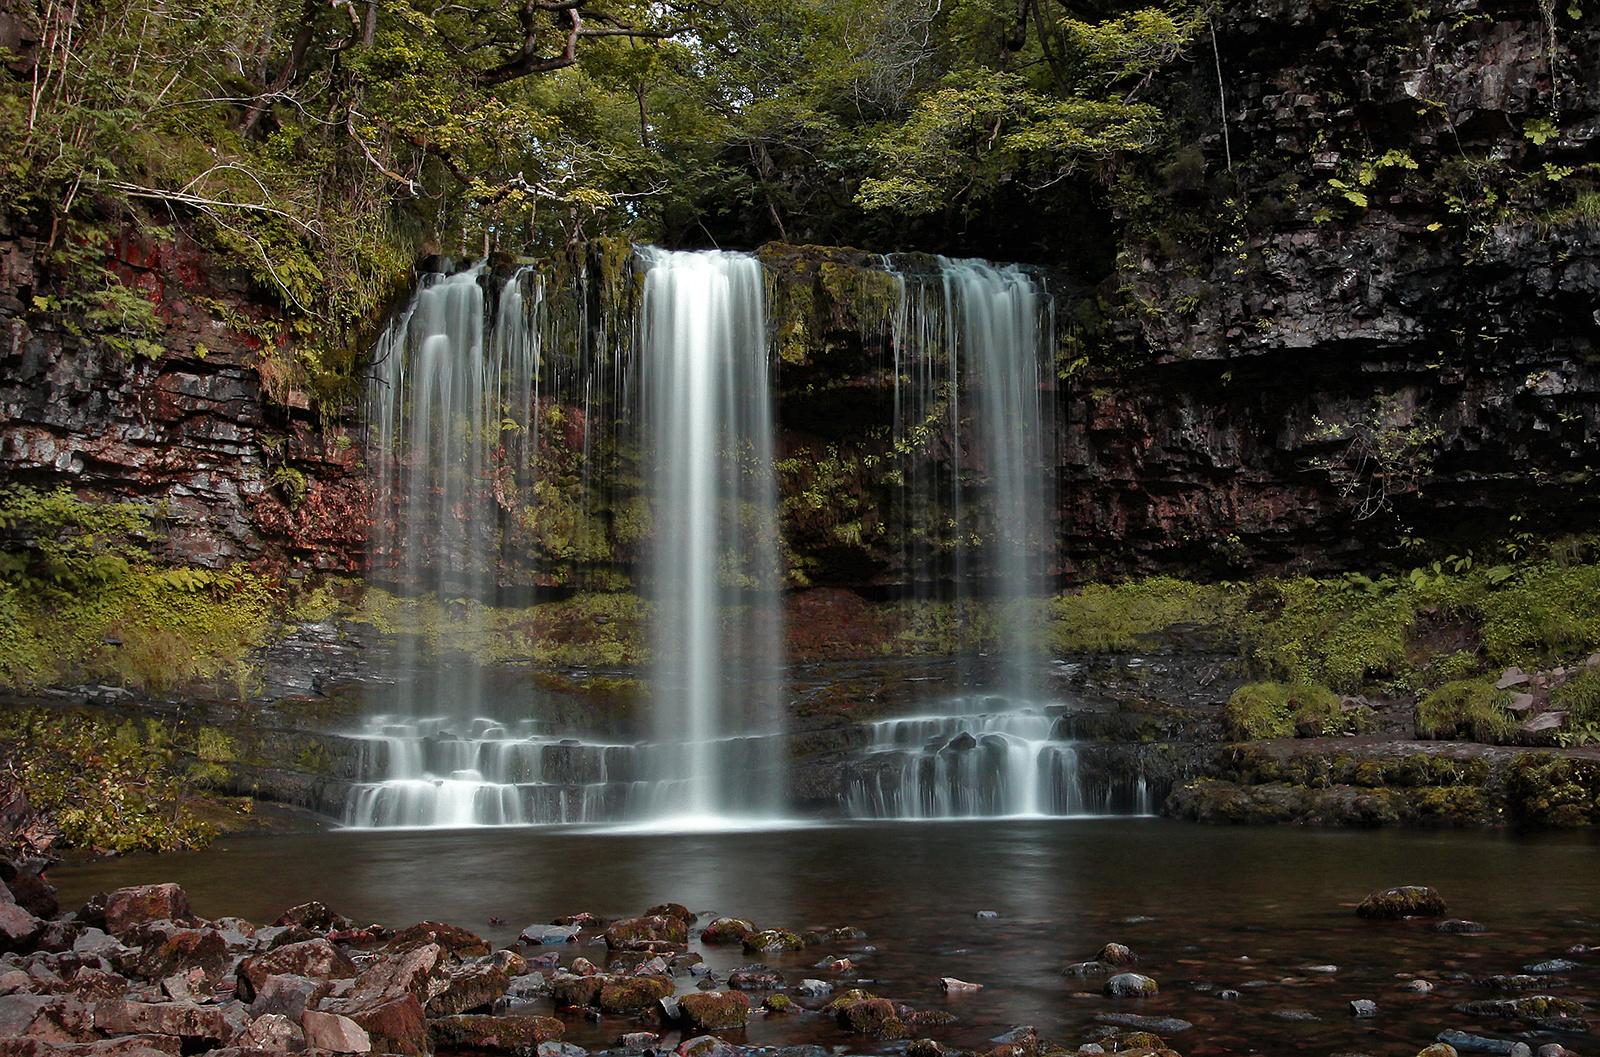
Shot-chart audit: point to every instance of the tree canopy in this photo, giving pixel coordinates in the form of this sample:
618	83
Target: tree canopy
324	144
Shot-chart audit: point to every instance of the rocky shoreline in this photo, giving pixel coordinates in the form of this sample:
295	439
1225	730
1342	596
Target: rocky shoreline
136	973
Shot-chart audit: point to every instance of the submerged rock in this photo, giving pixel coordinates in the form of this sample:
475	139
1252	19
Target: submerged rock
1405	901
1130	985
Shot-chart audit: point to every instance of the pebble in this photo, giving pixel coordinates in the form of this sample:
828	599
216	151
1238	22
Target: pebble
984	915
1228	995
1130	985
1465	1043
1363	1007
1554	965
1420	987
1460	927
1158	1025
1293	1014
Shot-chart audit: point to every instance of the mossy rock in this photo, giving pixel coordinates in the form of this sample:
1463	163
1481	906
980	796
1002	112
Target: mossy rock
1130	985
672	910
1546	790
714	1010
1287	710
781	1004
453	938
644	933
473	1033
576	990
770	940
634	994
1403	902
1466	709
727	930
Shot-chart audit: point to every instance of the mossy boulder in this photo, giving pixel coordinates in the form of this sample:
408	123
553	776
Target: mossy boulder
727	930
1403	902
576	990
1546	790
867	1014
1287	710
772	940
714	1010
633	994
672	910
520	1035
453	938
779	1004
1466	710
1130	985
647	933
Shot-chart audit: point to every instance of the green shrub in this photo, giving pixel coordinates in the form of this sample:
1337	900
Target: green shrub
1286	710
1579	697
1466	709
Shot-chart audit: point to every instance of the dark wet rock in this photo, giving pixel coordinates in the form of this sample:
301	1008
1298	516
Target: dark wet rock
727	930
863	1012
395	1025
576	990
127	907
1159	1025
1465	1043
707	1046
772	940
1403	902
634	994
1420	987
924	1048
338	1034
468	988
288	995
582	919
1460	927
1293	1015
51	1018
755	978
650	933
1533	1006
667	1007
169	949
847	934
18	929
1511	982
672	910
1130	985
193	1023
638	1041
952	986
24	882
550	934
1228	994
1551	967
925	1018
458	941
986	915
556	1048
1115	954
1363	1007
317	917
714	1010
317	959
579	967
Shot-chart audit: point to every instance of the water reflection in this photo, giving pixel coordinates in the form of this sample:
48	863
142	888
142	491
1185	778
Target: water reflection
1246	909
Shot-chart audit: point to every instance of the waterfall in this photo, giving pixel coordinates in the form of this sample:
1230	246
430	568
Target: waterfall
972	347
713	574
455	408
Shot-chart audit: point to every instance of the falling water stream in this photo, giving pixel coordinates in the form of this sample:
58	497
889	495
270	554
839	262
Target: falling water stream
463	385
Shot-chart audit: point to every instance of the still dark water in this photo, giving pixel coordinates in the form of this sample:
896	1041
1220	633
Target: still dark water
1251	909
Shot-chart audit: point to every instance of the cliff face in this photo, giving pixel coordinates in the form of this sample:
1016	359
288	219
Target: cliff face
1362	302
235	475
1388	325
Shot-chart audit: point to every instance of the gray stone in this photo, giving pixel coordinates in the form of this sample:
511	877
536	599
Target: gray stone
1130	985
1363	1007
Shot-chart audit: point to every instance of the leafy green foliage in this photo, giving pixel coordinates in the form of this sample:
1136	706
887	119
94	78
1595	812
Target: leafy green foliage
105	785
80	597
1285	710
1469	709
